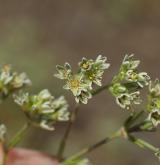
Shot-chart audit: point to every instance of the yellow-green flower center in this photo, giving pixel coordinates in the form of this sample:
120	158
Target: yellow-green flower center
85	65
92	76
74	83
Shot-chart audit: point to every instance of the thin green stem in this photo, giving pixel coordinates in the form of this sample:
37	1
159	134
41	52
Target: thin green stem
71	122
95	146
143	144
100	89
18	137
67	132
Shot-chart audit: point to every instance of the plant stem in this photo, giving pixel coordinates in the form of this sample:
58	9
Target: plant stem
143	144
95	146
67	132
100	89
17	138
71	122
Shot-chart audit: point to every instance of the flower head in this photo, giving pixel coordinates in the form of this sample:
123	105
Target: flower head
11	81
153	106
129	63
83	97
3	131
142	78
129	72
154	117
95	69
125	100
64	72
86	64
77	84
154	88
126	85
43	109
81	83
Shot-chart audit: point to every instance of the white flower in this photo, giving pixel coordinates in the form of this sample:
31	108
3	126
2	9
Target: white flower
124	100
130	64
43	109
154	88
154	117
81	83
77	84
64	72
11	81
127	83
21	80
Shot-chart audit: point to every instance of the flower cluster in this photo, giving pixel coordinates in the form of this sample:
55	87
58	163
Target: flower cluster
81	84
11	81
126	85
43	109
77	162
153	106
3	131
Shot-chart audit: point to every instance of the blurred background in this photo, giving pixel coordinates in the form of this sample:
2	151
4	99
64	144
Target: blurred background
35	35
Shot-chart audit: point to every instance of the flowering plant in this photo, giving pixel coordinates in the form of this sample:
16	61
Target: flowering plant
44	110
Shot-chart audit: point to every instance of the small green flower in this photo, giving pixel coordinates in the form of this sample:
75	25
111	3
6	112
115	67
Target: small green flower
21	80
136	97
154	88
142	78
83	97
126	85
129	63
3	131
125	100
153	106
117	89
64	72
86	64
11	81
95	69
43	109
77	84
154	117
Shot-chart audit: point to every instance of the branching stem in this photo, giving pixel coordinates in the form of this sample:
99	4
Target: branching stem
73	116
67	132
18	137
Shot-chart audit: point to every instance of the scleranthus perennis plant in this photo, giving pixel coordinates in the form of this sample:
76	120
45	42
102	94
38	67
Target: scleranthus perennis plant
44	110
